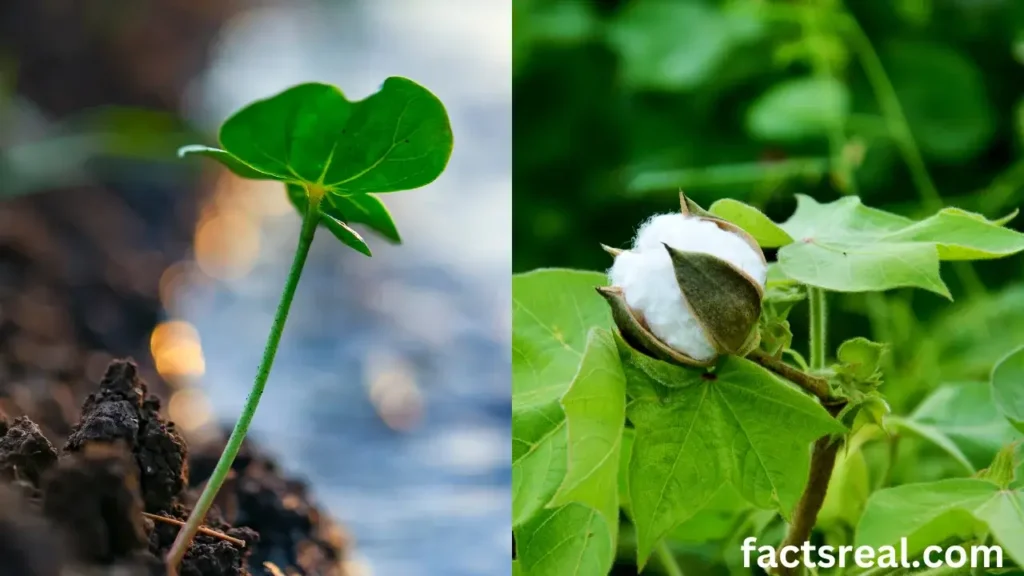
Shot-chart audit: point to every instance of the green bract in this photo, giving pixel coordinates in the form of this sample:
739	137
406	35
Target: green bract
319	143
847	247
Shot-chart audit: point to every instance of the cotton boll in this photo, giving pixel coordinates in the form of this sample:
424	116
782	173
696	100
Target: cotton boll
649	283
696	235
647	277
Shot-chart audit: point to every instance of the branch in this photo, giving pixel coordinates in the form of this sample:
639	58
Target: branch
813	384
823	460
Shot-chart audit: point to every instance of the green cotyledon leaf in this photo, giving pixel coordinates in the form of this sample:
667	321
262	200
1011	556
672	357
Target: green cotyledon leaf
696	431
848	247
312	138
399	138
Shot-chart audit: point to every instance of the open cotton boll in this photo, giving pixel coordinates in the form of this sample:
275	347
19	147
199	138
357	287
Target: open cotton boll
647	277
696	235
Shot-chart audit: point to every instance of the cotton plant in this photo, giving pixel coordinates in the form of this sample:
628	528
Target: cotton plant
669	385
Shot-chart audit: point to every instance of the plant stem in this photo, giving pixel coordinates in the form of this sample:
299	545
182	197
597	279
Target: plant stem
823	460
823	456
813	384
309	224
668	561
819	327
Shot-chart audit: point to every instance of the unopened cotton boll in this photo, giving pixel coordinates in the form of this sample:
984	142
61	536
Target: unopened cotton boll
647	277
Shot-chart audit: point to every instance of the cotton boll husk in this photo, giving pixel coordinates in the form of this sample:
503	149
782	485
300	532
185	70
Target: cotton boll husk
647	276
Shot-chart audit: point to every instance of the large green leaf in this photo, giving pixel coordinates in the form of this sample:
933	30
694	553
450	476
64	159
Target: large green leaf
568	414
848	247
930	513
798	109
570	539
595	412
696	432
1008	387
552	314
962	420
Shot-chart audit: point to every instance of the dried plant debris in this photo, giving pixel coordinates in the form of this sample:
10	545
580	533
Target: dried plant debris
111	502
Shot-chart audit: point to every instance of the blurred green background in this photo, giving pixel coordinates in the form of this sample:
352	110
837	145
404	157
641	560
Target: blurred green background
910	104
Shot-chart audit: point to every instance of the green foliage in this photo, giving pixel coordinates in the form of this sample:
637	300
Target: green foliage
798	109
696	432
847	247
1008	387
315	141
568	412
959	508
790	119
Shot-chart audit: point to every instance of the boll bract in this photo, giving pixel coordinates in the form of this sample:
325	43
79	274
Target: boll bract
690	289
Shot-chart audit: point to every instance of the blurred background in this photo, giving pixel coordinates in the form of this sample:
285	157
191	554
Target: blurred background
910	104
388	407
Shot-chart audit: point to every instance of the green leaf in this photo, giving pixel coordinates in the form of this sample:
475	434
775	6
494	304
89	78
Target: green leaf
565	540
236	166
944	98
552	313
696	432
798	109
767	233
329	219
397	139
715	521
962	419
595	411
930	513
848	247
676	45
365	209
1008	387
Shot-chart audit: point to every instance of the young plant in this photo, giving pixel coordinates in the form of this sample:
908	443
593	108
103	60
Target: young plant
679	393
333	156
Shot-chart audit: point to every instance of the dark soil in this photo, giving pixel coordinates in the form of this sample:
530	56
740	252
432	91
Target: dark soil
82	510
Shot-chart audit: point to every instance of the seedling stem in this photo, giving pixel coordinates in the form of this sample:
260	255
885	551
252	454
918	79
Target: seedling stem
310	221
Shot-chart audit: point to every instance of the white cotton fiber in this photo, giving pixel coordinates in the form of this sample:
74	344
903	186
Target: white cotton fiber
648	280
